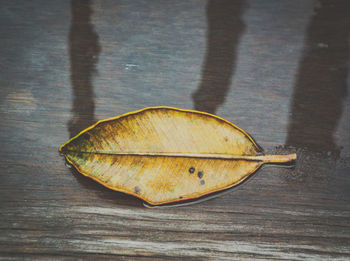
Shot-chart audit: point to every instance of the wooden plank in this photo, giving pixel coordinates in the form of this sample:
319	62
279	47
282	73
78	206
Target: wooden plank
64	65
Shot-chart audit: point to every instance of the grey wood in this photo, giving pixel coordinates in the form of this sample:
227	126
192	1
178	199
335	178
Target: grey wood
277	69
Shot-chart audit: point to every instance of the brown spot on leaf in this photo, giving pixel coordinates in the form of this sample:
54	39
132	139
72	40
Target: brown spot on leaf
202	182
137	190
200	174
192	170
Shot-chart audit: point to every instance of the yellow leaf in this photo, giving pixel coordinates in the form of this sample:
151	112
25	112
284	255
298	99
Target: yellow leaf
164	154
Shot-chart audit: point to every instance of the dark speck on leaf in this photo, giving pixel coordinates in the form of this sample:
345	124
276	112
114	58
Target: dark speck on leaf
202	182
200	174
191	170
137	190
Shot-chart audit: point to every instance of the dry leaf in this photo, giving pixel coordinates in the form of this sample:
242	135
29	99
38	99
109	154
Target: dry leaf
163	154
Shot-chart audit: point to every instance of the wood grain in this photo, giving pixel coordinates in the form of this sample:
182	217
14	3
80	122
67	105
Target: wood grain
66	64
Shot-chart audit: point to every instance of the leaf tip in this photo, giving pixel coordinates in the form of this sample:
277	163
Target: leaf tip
62	149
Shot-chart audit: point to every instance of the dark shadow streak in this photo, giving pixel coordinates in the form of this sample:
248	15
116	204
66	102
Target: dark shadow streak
321	82
84	51
225	27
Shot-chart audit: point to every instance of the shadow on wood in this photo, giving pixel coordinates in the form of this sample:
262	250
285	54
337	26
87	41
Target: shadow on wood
225	27
321	81
84	51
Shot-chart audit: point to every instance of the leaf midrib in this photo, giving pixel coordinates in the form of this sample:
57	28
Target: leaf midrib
262	158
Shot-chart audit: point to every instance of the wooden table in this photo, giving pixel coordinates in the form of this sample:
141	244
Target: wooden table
277	69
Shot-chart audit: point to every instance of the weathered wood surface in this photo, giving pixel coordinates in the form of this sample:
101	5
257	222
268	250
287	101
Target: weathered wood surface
277	69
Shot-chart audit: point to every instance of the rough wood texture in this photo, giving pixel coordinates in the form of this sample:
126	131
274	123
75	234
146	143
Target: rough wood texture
277	69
